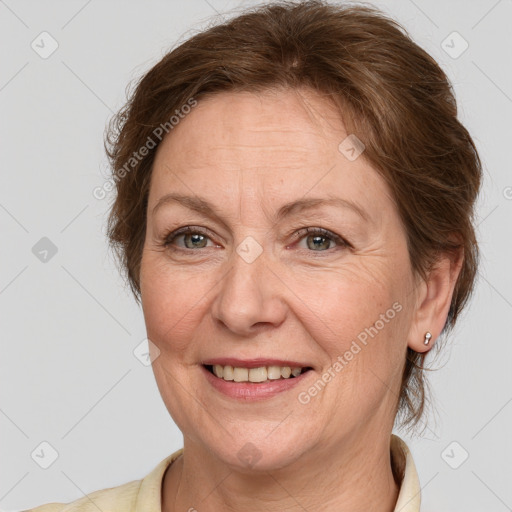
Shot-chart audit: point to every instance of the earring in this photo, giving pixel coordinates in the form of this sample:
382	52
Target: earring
428	337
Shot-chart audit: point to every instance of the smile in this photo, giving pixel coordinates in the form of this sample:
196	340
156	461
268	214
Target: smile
255	383
255	375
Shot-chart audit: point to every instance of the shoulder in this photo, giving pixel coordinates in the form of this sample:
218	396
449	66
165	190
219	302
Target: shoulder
406	476
137	495
113	499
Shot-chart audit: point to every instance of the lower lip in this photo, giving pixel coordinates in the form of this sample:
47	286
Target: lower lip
252	390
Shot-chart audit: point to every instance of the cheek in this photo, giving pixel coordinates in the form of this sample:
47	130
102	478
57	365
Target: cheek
171	303
349	298
172	300
359	316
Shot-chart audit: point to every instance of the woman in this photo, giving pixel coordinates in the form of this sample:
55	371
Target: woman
294	213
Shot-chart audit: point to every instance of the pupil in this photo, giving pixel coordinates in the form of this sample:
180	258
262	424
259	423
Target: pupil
318	239
195	238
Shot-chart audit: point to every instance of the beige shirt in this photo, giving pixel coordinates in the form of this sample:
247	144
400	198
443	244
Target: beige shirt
145	495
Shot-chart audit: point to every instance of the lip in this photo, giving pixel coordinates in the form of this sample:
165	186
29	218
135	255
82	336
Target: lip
254	363
252	391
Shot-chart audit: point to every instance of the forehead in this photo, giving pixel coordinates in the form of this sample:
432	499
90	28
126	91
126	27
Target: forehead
277	122
281	143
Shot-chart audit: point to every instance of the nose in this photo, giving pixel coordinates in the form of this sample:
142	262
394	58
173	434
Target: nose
250	297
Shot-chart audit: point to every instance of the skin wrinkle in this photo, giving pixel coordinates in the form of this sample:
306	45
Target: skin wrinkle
285	304
309	214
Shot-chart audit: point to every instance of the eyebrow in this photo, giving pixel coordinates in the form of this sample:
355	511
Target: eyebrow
292	208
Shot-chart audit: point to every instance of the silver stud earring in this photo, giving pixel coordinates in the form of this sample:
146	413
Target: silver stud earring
428	337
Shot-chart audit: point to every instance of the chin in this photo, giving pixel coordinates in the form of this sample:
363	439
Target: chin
252	450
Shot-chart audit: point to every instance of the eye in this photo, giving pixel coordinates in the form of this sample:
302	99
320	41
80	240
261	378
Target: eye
318	239
193	238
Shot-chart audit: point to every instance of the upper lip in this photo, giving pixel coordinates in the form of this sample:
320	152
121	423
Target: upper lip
253	363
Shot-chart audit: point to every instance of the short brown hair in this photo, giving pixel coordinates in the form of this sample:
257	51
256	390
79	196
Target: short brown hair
391	93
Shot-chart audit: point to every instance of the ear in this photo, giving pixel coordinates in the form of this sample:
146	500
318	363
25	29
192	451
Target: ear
434	297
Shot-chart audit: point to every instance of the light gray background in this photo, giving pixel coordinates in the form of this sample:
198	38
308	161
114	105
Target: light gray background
69	327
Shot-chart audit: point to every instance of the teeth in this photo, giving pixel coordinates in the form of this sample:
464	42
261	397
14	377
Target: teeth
273	372
296	371
241	374
260	374
227	372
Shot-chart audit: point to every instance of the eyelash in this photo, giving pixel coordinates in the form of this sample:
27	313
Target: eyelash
298	235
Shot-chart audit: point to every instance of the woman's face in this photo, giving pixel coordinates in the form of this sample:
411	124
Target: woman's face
241	289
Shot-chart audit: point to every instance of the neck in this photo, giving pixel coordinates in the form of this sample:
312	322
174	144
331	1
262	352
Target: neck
357	476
